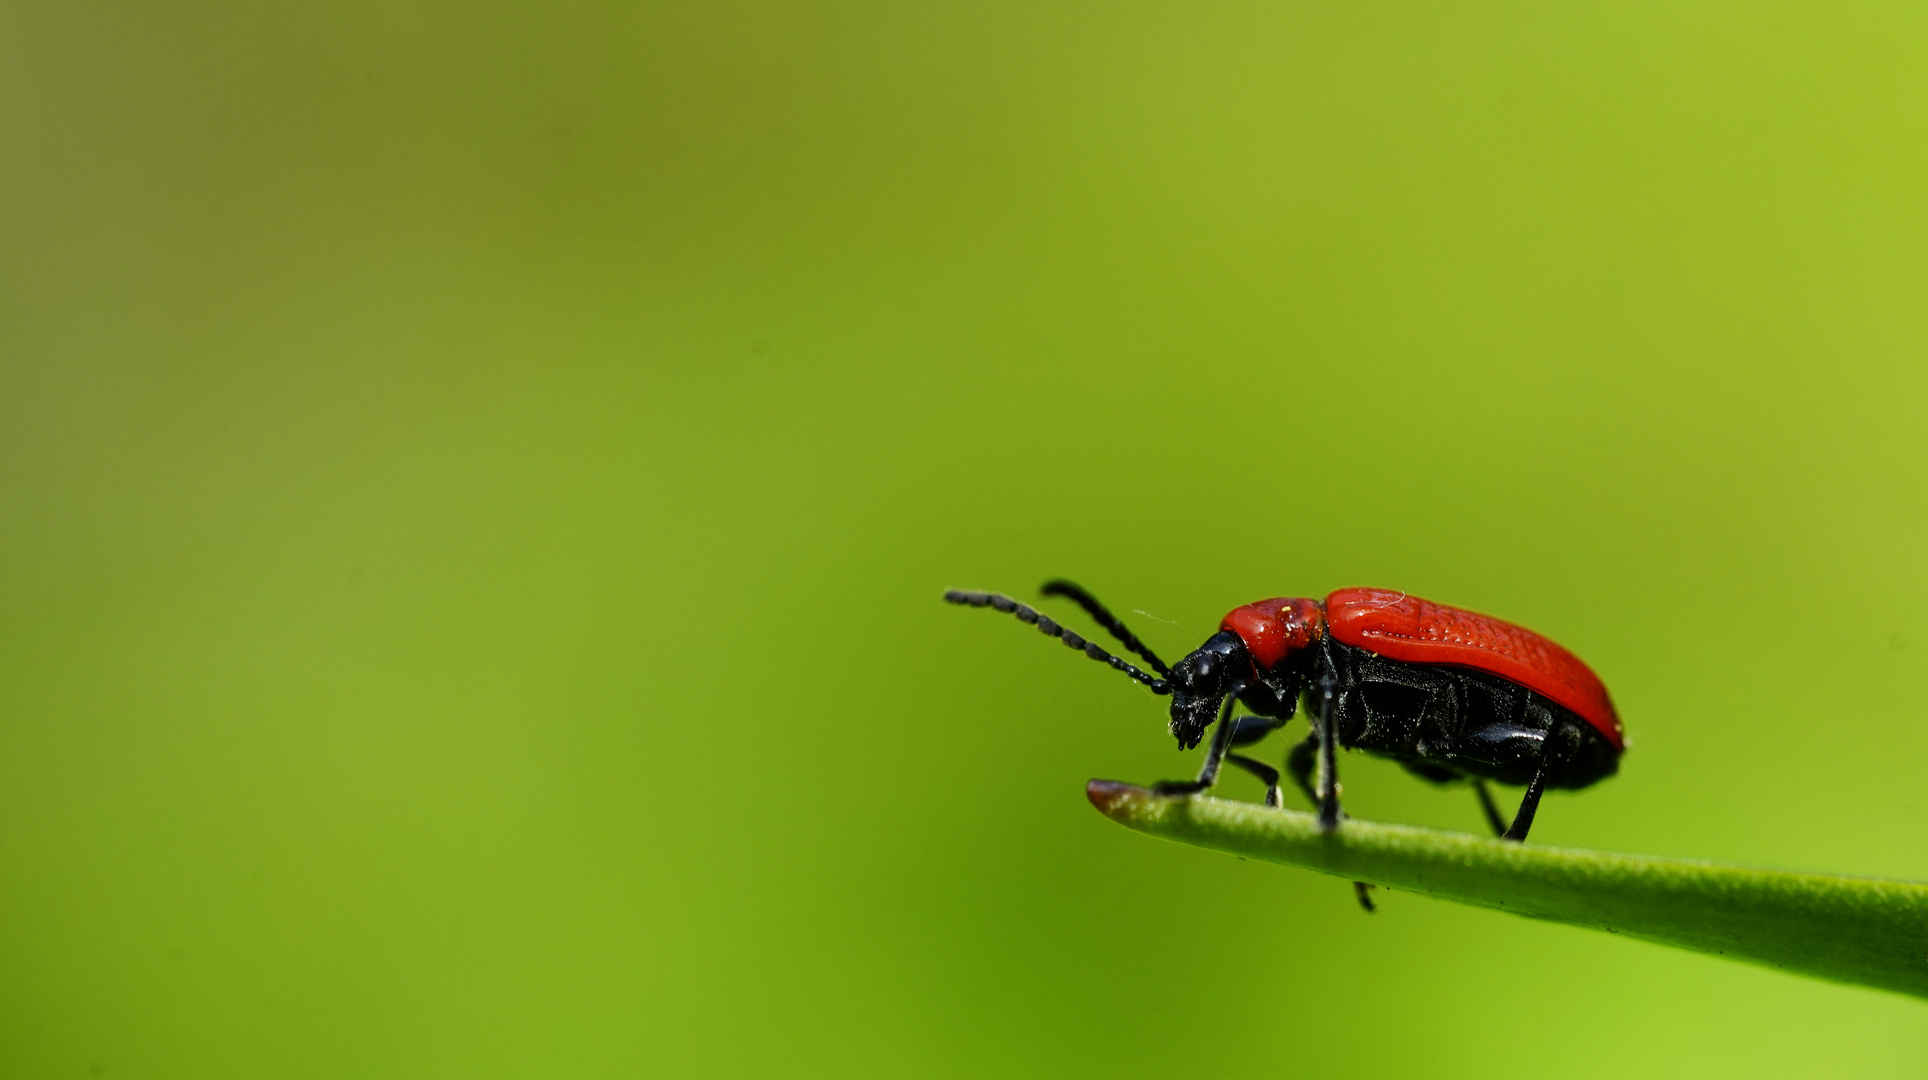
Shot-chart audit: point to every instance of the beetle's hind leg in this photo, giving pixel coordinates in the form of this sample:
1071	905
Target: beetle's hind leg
1486	803
1560	745
1433	772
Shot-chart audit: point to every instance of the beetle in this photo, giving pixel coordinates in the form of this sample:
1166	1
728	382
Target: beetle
1452	695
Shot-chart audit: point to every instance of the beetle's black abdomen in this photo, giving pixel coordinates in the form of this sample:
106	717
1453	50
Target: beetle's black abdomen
1457	721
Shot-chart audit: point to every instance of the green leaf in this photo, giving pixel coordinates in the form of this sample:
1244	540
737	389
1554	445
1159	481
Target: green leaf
1851	930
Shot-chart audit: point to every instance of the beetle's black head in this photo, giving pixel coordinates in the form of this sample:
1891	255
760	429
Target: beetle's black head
1200	682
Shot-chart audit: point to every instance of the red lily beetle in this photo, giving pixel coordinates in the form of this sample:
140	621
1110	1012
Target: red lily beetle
1450	694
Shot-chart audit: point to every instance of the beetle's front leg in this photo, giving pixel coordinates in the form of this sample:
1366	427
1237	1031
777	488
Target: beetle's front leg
1214	755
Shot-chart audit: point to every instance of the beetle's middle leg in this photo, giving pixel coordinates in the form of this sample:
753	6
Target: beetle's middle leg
1328	750
1327	793
1300	763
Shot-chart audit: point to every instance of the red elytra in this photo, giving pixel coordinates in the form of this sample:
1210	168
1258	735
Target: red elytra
1402	627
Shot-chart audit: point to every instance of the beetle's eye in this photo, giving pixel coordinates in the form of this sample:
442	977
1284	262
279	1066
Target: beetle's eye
1203	669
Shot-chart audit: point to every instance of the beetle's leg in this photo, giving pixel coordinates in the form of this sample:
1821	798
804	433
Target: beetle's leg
1252	727
1267	775
1300	763
1207	776
1329	776
1555	754
1328	765
1529	806
1493	817
1532	801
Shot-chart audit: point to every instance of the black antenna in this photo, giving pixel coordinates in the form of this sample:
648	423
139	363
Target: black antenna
1027	614
1075	593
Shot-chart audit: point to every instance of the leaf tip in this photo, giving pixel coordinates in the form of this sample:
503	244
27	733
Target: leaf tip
1115	799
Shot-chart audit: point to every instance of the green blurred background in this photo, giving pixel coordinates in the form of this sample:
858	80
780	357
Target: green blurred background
478	479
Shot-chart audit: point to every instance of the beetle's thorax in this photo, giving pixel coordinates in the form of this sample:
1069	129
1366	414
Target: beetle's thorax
1269	644
1278	633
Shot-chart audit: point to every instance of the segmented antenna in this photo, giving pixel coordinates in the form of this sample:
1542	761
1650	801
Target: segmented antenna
1075	593
1027	614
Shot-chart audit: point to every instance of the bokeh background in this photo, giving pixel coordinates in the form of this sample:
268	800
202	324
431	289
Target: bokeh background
476	482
